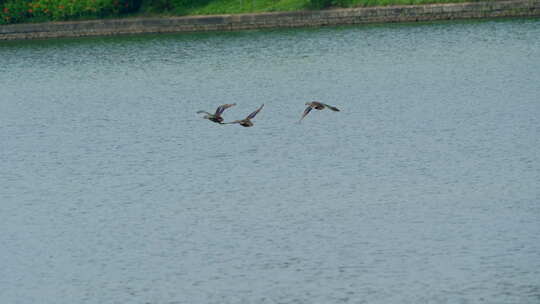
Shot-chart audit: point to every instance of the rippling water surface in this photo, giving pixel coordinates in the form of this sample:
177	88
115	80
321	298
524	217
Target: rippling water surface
423	189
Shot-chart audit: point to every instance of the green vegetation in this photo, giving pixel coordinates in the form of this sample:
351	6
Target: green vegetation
15	11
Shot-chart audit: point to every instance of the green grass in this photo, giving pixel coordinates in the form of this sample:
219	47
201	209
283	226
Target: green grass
257	6
214	7
247	6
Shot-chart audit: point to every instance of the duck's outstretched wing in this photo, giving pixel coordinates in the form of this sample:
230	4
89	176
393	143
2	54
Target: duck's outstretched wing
224	107
331	107
252	115
199	112
306	112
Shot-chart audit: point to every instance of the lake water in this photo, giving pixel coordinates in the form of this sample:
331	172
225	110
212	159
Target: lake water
423	189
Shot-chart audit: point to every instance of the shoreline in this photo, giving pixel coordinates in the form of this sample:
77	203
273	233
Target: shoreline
330	17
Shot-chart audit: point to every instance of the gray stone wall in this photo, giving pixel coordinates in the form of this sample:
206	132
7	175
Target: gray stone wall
489	9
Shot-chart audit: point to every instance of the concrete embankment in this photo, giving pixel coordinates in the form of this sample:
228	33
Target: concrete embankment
412	13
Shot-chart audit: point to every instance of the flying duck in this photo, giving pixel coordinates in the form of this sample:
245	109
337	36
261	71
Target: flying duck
216	117
246	122
317	106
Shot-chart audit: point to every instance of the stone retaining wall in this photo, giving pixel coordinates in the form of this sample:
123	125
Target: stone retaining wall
489	9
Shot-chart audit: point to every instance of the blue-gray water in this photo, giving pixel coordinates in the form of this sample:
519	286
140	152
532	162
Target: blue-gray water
423	189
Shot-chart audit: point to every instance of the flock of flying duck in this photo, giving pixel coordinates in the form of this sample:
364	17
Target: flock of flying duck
246	122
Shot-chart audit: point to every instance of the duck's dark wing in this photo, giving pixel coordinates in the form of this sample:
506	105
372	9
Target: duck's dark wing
199	112
306	112
250	116
331	107
224	107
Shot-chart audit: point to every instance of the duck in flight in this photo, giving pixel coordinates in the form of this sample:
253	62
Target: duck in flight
216	117
246	122
317	106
